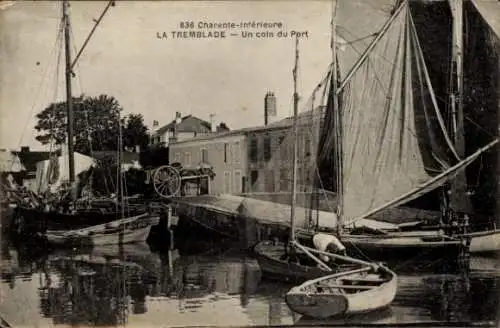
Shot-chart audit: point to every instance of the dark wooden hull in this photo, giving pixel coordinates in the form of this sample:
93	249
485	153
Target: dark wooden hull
271	258
32	221
401	246
422	248
397	245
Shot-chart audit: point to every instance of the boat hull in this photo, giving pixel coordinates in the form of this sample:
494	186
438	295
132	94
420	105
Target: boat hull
392	245
485	242
270	256
130	230
320	303
31	221
404	244
131	236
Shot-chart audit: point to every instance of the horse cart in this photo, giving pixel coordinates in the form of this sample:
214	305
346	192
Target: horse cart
174	180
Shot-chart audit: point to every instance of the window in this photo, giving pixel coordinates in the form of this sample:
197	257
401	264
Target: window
226	151
284	180
267	148
283	148
254	175
187	159
177	157
237	182
307	144
269	182
254	149
204	155
227	182
236	152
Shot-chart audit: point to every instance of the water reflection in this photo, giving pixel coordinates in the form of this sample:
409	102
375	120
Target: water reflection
134	285
443	298
94	287
105	285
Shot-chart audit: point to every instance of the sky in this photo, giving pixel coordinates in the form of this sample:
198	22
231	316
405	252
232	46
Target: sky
158	77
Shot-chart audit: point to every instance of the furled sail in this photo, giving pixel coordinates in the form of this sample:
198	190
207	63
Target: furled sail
394	143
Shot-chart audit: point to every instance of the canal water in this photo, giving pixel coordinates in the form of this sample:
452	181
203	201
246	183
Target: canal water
207	285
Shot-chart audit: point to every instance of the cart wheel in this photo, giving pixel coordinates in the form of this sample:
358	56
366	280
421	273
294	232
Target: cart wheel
166	181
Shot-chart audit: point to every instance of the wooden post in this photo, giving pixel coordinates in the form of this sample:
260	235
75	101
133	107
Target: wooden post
169	228
170	264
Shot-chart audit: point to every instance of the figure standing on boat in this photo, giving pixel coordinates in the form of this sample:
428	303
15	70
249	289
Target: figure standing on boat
328	243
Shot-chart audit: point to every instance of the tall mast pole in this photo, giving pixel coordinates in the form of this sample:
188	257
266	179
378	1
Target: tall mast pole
120	183
69	100
459	201
295	141
337	120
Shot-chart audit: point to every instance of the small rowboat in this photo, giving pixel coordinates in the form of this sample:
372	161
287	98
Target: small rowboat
128	230
351	292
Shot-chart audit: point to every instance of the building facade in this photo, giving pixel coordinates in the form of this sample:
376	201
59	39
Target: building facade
270	158
225	152
252	160
182	128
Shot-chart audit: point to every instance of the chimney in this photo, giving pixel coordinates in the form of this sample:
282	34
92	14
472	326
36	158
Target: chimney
213	126
177	120
25	149
269	106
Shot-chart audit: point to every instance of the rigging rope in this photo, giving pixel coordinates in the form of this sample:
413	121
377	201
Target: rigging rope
39	87
59	55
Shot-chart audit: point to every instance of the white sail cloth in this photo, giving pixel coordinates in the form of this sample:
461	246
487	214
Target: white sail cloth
393	137
51	174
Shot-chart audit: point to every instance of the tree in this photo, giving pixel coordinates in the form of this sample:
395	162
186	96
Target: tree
135	133
96	126
222	127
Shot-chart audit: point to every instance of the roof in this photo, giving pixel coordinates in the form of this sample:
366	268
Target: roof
188	123
127	157
303	118
30	158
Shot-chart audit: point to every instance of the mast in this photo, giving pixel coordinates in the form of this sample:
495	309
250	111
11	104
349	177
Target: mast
459	201
295	141
337	120
120	183
69	100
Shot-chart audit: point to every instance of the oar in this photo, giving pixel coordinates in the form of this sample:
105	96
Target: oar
345	258
321	264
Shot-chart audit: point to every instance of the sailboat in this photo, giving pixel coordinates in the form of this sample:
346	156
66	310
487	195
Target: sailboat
393	146
482	241
275	258
358	290
295	262
105	225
